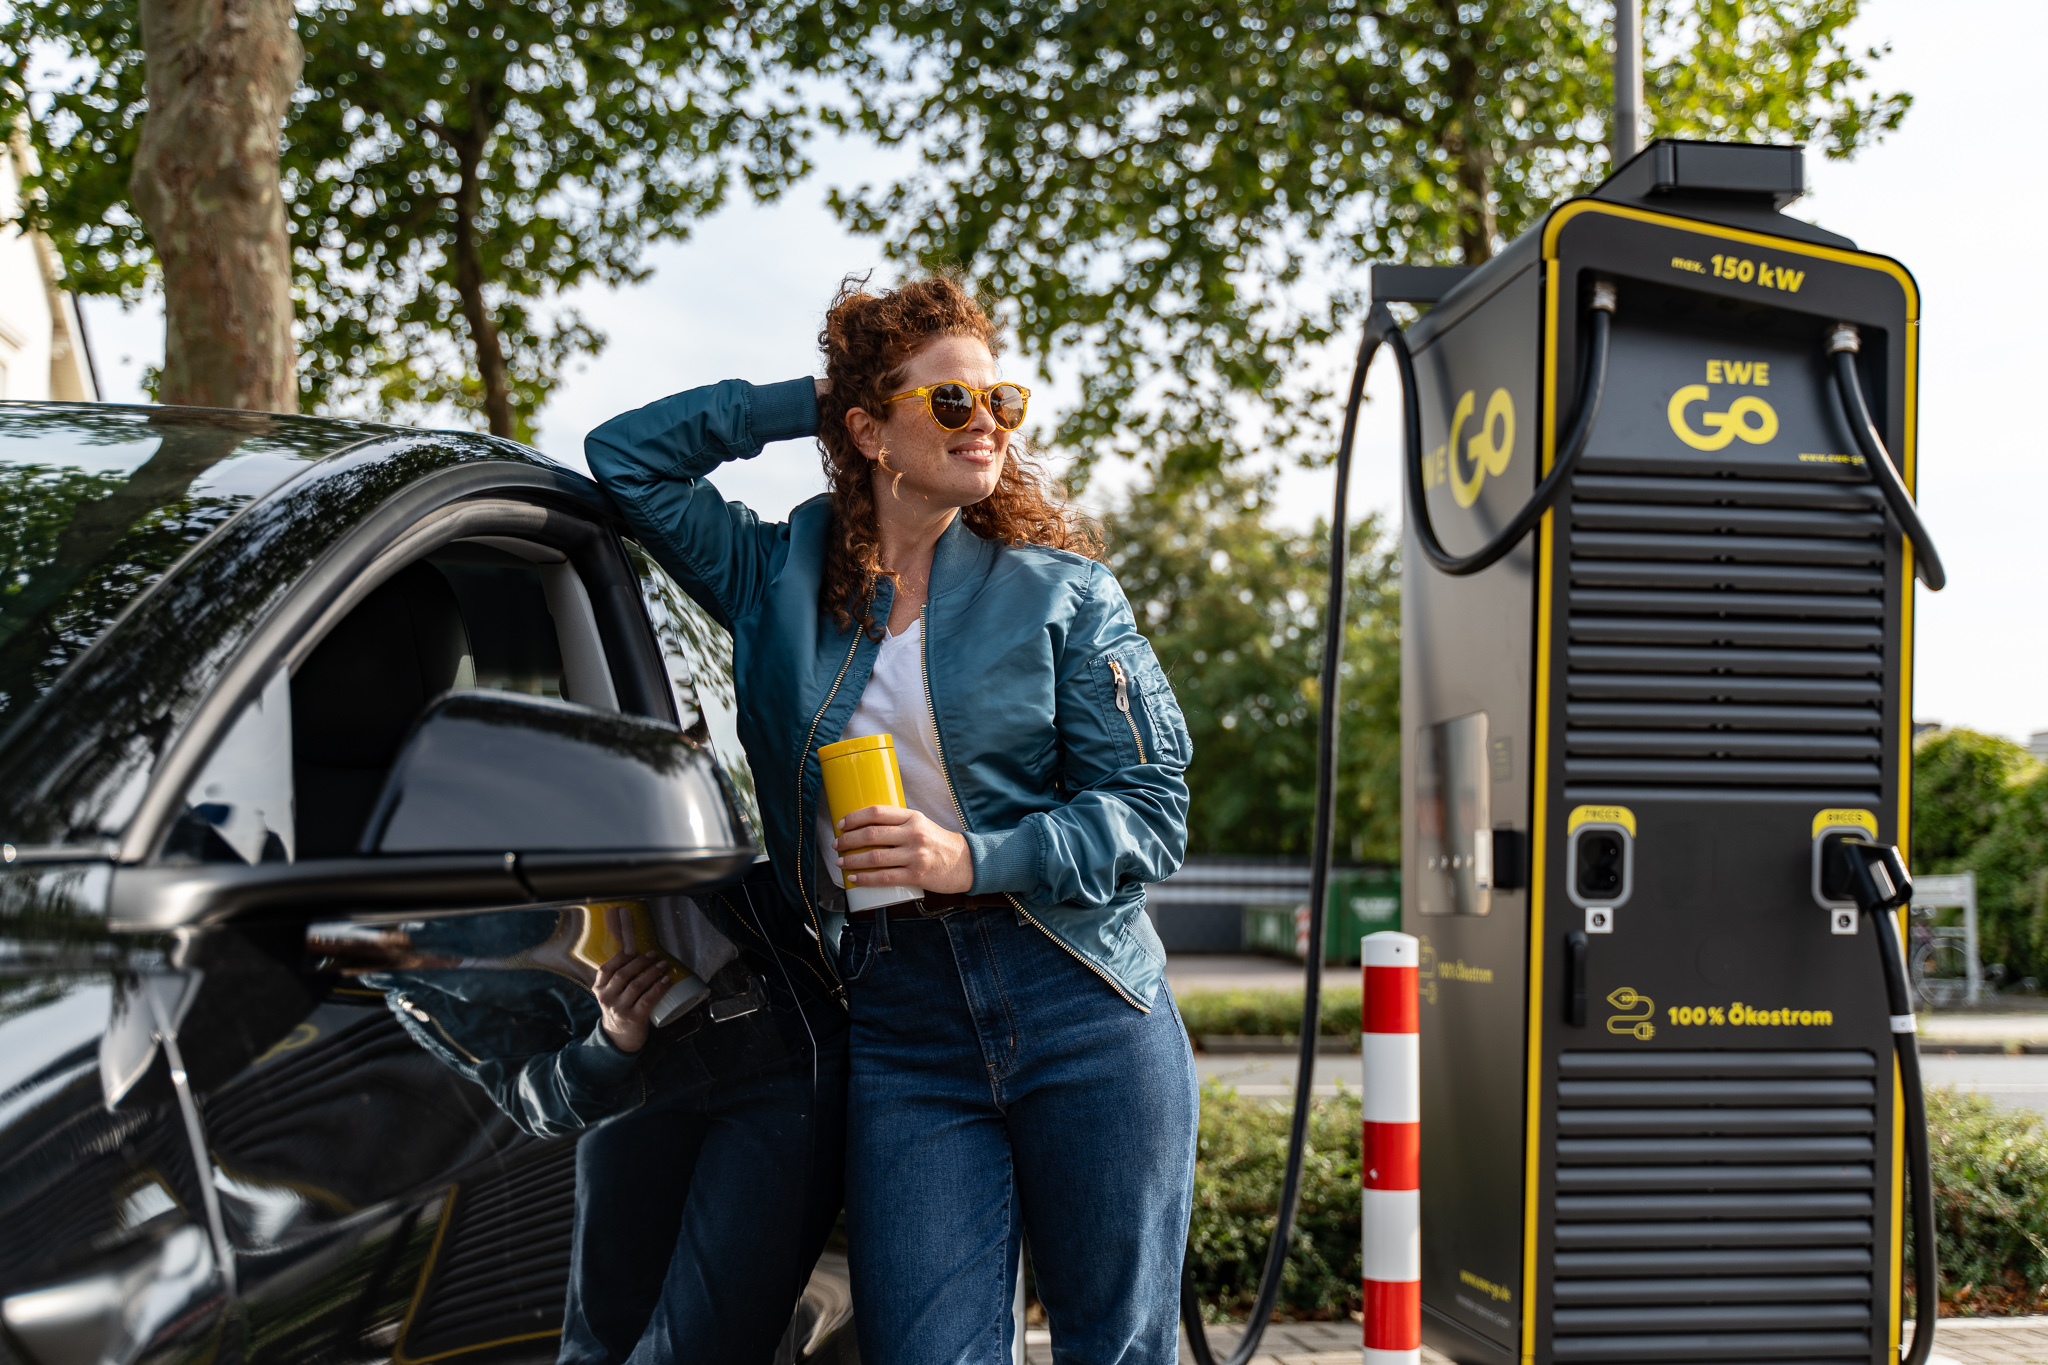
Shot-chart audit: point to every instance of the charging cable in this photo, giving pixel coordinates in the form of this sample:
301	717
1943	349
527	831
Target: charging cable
1592	390
1879	884
1844	342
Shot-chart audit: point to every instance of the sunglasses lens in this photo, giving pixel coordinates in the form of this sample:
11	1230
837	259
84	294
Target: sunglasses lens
1006	404
952	406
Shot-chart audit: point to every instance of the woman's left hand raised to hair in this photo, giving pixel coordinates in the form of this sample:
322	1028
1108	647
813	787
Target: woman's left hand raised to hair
902	847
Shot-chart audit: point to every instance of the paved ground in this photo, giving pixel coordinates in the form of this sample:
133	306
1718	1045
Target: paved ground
1272	1076
1963	1341
1990	1341
2016	1082
1235	971
2001	1026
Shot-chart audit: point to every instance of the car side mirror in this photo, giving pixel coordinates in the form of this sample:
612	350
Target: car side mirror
577	793
496	799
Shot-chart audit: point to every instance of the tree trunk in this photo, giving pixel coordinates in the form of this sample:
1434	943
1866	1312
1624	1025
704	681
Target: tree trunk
469	283
206	183
468	145
1478	221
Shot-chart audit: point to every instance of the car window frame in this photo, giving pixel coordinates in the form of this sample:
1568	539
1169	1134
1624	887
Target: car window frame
549	508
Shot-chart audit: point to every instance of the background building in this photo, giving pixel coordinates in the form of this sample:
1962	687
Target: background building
43	348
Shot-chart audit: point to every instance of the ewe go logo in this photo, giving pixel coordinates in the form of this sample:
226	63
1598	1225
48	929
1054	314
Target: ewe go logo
1749	417
1485	452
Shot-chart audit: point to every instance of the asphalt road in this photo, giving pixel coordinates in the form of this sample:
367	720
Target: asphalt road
2020	1082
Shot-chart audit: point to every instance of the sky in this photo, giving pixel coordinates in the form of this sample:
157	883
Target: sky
1952	194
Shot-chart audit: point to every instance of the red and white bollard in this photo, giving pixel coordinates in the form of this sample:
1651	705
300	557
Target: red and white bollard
1391	1153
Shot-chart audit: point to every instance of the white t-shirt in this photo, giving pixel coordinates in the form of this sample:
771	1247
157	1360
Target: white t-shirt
894	704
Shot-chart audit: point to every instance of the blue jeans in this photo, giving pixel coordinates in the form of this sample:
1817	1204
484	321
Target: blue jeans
1000	1090
700	1214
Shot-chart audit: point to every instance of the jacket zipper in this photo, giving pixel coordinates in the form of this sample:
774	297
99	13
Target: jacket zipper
924	666
803	759
1123	704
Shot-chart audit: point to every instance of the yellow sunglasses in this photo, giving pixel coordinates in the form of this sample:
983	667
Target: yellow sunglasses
951	404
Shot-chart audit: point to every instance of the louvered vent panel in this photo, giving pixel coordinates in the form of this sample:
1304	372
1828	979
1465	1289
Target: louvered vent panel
1715	1206
1725	635
501	1277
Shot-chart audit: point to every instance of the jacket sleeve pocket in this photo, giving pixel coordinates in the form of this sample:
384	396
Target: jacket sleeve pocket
1140	713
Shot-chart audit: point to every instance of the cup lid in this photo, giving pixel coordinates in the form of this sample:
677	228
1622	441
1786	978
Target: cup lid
858	744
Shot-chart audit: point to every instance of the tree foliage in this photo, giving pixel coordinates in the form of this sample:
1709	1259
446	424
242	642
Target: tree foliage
1181	192
1234	607
451	167
2011	863
1981	804
1962	783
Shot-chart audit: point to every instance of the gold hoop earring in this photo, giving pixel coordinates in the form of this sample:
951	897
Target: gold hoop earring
895	486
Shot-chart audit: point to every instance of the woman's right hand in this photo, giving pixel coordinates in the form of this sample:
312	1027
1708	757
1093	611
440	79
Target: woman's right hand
629	986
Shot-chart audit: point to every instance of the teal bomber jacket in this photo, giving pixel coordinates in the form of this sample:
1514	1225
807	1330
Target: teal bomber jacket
1062	742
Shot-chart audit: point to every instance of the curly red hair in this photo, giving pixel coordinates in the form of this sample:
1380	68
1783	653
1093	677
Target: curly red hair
867	338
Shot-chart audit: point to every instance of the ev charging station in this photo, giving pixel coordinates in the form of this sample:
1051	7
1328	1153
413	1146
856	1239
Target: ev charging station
1662	1117
1658	558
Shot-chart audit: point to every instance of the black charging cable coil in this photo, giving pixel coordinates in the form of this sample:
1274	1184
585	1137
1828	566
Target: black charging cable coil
1592	390
1844	342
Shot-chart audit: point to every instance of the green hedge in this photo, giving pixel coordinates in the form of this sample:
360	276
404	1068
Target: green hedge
1990	1204
1271	1012
1242	1156
1990	1199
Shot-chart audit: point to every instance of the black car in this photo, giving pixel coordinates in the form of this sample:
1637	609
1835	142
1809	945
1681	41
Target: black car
294	715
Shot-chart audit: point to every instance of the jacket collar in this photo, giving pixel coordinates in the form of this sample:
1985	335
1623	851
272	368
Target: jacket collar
960	557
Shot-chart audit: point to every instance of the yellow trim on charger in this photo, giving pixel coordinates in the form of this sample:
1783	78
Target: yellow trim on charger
1835	818
1864	259
1546	568
1601	815
1909	461
1539	830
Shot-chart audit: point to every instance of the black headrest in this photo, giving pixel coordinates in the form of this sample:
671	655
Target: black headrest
357	695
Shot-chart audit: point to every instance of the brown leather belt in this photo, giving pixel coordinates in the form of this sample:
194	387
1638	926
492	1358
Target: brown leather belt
937	903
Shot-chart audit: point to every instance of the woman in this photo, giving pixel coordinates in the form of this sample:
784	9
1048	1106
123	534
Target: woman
1017	1069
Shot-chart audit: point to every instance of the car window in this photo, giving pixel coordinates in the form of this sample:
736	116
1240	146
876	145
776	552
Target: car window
300	769
239	808
697	655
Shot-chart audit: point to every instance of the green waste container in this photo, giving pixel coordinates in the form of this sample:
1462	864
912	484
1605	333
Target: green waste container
1363	900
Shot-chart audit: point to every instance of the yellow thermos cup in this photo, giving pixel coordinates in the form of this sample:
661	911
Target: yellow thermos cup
601	940
862	772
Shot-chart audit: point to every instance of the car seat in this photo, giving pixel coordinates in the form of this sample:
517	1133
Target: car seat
355	699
